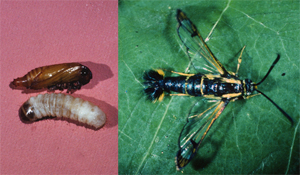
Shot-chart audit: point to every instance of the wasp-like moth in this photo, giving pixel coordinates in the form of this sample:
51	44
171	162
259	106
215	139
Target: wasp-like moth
70	76
214	83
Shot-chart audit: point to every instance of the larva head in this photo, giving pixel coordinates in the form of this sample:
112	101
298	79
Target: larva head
27	112
86	75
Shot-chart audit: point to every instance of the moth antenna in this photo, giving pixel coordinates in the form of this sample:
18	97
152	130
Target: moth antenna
274	63
280	109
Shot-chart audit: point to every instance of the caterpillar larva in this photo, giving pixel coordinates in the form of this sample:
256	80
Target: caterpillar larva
61	105
59	76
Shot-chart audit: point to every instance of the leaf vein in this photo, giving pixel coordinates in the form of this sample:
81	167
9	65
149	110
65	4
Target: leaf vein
156	132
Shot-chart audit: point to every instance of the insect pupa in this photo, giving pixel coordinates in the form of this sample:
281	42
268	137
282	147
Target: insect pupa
61	105
69	76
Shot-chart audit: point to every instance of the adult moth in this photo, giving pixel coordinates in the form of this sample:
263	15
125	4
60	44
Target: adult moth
69	76
61	105
217	87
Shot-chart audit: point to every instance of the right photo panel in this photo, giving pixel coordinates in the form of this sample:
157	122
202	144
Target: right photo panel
208	87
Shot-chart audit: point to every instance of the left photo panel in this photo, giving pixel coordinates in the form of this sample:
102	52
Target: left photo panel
59	87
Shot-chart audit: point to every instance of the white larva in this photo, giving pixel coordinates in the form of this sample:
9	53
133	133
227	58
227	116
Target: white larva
61	105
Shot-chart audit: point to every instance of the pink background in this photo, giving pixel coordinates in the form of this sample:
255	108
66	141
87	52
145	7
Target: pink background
35	34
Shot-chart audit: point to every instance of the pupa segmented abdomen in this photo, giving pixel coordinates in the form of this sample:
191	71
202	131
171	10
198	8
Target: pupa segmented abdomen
69	76
61	105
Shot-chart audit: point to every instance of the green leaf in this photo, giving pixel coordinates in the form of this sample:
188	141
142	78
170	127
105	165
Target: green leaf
251	136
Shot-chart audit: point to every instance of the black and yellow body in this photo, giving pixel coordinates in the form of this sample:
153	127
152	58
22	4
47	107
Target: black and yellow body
199	85
212	82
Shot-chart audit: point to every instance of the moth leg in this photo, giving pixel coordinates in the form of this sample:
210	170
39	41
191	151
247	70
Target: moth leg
239	61
242	97
250	96
183	74
179	73
179	95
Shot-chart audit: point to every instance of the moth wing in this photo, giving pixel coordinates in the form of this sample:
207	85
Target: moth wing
56	74
196	128
197	50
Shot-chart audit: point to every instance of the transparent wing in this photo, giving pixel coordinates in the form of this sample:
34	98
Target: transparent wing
196	128
199	53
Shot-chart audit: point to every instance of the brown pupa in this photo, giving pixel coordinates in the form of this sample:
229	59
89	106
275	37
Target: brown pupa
69	76
61	105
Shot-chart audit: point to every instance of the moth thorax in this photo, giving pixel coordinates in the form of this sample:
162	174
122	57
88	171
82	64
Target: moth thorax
248	84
